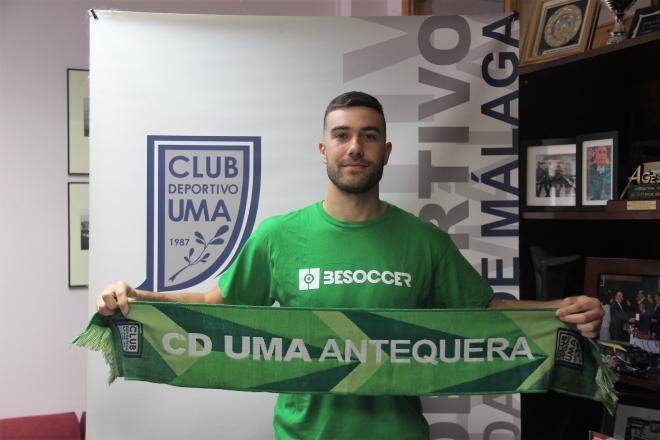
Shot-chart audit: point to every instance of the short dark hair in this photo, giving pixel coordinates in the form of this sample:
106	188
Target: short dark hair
354	99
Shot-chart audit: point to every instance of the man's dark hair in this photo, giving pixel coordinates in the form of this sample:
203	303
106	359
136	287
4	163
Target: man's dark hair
354	99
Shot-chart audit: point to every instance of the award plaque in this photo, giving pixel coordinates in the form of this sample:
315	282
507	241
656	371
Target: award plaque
646	20
558	28
562	26
644	183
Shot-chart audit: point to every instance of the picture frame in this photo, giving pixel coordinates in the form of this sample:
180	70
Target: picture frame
78	122
605	277
558	28
645	21
78	233
550	174
595	267
598	156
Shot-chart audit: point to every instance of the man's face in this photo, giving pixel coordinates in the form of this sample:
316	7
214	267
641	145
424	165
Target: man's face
354	148
601	156
640	296
619	297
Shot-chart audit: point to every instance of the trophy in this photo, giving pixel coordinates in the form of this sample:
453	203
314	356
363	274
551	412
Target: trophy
618	8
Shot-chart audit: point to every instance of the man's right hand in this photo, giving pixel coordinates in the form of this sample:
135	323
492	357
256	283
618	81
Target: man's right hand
115	296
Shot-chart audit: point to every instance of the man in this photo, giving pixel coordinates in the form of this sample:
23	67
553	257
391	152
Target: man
378	256
618	318
641	302
655	317
599	180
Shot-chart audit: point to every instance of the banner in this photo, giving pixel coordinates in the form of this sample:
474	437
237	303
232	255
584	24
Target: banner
201	122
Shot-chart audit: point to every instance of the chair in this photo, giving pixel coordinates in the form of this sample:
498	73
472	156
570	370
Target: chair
556	277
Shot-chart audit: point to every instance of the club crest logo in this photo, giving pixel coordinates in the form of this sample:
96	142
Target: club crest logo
130	333
202	200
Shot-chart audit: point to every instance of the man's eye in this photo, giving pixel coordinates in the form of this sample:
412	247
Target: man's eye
371	136
341	136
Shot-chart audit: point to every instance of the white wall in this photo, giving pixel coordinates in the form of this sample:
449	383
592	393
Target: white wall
39	40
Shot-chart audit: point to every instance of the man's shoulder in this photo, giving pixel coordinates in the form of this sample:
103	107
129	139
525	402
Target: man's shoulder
417	224
278	222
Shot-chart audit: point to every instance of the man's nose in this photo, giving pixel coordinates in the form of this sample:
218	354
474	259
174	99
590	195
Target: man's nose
355	147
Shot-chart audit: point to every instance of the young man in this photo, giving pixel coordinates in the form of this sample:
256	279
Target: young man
352	250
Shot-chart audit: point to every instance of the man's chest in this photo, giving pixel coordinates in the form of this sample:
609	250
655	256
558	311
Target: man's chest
351	272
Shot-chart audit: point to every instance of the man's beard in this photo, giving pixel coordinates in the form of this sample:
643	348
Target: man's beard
355	185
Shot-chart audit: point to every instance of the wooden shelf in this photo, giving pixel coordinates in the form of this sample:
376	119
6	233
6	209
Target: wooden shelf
590	215
639	41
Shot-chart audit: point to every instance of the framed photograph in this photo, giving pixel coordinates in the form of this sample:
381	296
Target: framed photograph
598	159
78	121
551	173
636	422
558	28
637	415
646	20
78	234
628	287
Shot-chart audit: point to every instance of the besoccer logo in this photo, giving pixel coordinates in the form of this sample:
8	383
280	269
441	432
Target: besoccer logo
309	278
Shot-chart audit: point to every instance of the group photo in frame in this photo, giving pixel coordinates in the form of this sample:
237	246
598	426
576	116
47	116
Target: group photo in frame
78	197
558	28
551	173
598	164
78	121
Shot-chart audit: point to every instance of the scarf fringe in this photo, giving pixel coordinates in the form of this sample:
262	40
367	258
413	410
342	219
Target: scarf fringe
97	337
605	380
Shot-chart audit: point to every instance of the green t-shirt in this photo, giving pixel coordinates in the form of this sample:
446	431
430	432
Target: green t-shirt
309	259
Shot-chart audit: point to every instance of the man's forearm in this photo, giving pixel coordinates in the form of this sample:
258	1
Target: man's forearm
496	303
196	298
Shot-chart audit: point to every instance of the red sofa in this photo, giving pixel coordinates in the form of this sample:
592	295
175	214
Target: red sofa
63	426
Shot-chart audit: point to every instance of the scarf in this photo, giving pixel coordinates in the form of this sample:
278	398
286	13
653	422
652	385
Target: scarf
350	351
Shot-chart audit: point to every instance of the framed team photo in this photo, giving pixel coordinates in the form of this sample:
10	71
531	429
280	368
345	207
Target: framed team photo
78	121
598	158
551	173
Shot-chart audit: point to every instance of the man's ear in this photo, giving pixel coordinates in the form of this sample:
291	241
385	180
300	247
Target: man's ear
324	158
388	150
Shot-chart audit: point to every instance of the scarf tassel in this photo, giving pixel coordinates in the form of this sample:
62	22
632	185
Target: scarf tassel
98	337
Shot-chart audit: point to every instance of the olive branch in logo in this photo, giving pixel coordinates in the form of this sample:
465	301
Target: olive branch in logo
202	256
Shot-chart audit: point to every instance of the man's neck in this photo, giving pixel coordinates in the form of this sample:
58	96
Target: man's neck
353	207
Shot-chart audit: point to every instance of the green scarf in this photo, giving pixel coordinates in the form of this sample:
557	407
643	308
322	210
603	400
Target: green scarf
350	351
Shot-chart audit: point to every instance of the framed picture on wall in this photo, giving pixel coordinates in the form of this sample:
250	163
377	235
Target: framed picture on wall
78	121
78	234
598	159
550	173
558	28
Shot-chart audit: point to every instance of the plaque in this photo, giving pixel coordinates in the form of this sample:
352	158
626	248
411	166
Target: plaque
644	191
646	20
563	26
644	183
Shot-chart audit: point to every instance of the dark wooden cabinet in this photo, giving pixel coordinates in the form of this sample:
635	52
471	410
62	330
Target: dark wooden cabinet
613	88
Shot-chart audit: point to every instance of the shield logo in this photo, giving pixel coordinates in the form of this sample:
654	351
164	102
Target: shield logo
202	200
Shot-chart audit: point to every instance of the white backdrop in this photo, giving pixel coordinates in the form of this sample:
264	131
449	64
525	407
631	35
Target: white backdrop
449	88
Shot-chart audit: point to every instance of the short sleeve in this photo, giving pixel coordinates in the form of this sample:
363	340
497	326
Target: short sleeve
248	280
456	284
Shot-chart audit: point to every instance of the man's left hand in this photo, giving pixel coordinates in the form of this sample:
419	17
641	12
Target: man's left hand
584	311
